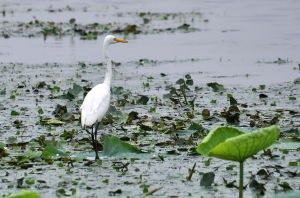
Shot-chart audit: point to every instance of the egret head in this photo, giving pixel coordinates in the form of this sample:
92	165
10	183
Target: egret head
110	39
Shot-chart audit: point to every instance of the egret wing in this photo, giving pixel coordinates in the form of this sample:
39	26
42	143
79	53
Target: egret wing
95	105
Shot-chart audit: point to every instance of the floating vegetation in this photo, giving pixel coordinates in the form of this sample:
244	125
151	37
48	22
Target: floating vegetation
150	128
36	28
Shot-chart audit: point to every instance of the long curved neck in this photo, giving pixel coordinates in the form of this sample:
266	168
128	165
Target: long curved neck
108	74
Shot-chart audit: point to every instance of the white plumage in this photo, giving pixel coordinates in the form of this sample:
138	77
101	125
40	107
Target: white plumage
95	105
96	102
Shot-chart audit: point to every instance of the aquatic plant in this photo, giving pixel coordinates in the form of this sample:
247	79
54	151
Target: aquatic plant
182	94
25	194
232	144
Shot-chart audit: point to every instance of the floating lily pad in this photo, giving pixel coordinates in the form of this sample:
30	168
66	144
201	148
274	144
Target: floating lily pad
51	151
2	145
14	113
54	122
207	179
143	100
113	146
216	86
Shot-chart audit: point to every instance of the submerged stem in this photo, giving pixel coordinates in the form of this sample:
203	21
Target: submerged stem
241	186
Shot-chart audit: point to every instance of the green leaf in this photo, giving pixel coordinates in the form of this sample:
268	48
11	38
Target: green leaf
52	151
180	81
72	21
11	140
188	76
54	122
213	101
184	27
33	154
189	82
114	111
143	100
207	162
293	163
2	145
29	181
285	186
3	91
205	114
113	146
232	144
195	126
24	194
216	137
117	90
14	113
75	90
216	86
40	111
91	36
262	86
55	89
72	93
207	179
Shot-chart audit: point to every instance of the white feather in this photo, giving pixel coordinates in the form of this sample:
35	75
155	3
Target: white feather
96	102
95	105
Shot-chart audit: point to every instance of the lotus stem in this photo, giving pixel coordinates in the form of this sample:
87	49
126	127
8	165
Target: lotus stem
241	186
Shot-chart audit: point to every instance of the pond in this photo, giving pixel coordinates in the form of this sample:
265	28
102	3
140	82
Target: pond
51	55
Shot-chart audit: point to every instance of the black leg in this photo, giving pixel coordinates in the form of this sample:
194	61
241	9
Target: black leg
96	130
94	139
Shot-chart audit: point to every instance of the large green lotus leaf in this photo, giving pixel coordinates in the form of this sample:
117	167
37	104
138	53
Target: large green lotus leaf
231	144
113	146
24	194
216	137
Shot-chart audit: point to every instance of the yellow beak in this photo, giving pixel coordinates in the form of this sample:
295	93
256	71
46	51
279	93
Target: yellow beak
120	40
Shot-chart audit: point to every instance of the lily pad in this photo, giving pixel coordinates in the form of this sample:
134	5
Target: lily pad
143	100
207	179
113	146
51	151
232	144
2	145
54	122
216	86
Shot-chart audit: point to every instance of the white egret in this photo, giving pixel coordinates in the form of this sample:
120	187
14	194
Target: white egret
96	102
